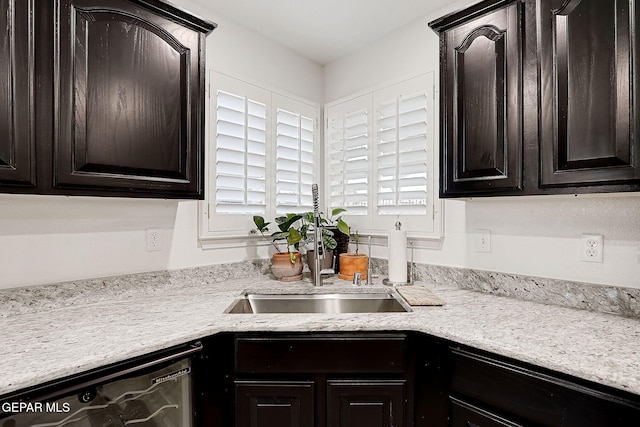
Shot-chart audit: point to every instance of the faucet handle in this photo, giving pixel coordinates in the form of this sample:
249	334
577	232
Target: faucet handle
319	242
321	251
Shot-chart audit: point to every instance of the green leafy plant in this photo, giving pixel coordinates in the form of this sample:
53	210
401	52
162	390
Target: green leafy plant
356	238
334	220
287	232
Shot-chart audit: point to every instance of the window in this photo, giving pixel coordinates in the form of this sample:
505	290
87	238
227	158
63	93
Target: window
401	154
262	157
348	141
380	152
295	156
240	153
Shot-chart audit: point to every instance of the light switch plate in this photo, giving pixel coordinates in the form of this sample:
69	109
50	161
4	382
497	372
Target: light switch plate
483	240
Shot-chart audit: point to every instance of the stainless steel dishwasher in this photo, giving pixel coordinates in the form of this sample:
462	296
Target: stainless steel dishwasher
152	392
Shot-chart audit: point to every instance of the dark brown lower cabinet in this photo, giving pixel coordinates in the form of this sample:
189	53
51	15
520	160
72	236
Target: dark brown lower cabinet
488	390
365	403
322	380
349	403
366	379
274	403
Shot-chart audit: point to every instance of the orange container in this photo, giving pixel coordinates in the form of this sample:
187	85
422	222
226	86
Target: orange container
352	263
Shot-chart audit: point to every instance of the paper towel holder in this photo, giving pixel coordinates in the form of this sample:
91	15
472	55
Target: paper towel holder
388	282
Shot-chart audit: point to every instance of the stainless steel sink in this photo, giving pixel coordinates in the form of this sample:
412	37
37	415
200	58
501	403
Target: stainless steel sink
381	302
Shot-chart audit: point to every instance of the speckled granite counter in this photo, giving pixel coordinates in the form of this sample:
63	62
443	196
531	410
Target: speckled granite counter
69	329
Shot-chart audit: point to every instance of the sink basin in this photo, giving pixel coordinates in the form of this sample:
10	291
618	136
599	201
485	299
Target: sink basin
381	302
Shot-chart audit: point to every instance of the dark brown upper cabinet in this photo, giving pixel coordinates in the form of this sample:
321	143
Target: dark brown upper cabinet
539	97
587	52
481	108
129	98
102	98
17	138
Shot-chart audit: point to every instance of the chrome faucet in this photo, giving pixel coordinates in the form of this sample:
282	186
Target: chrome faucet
318	245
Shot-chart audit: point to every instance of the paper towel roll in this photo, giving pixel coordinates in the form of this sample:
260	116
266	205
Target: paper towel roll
397	256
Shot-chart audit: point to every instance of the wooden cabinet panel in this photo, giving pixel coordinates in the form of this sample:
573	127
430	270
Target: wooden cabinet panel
588	91
539	398
129	98
274	404
371	403
539	97
323	379
302	354
17	141
481	105
101	97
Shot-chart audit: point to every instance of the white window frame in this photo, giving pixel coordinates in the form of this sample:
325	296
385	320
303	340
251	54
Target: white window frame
425	230
226	230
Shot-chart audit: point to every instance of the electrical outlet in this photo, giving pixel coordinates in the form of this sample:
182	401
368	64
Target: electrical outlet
154	239
592	247
483	240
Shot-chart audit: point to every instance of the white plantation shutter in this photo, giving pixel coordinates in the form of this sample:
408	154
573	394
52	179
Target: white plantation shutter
262	158
401	154
349	155
295	166
380	154
240	152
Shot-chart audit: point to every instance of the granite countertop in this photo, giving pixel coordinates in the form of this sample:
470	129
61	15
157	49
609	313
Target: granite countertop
55	332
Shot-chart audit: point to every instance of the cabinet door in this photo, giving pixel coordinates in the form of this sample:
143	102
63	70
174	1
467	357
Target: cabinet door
481	73
588	91
17	153
376	403
274	404
129	97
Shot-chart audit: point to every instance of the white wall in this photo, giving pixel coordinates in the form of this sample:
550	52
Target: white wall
50	239
45	239
241	53
537	236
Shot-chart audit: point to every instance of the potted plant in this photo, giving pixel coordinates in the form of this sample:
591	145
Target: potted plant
351	263
335	235
285	266
329	243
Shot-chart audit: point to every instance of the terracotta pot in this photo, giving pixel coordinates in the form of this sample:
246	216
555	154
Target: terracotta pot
352	263
325	263
283	269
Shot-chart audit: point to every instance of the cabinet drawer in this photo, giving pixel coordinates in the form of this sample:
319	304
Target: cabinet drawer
539	397
466	415
378	353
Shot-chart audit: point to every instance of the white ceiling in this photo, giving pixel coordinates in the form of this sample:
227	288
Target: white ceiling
323	30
